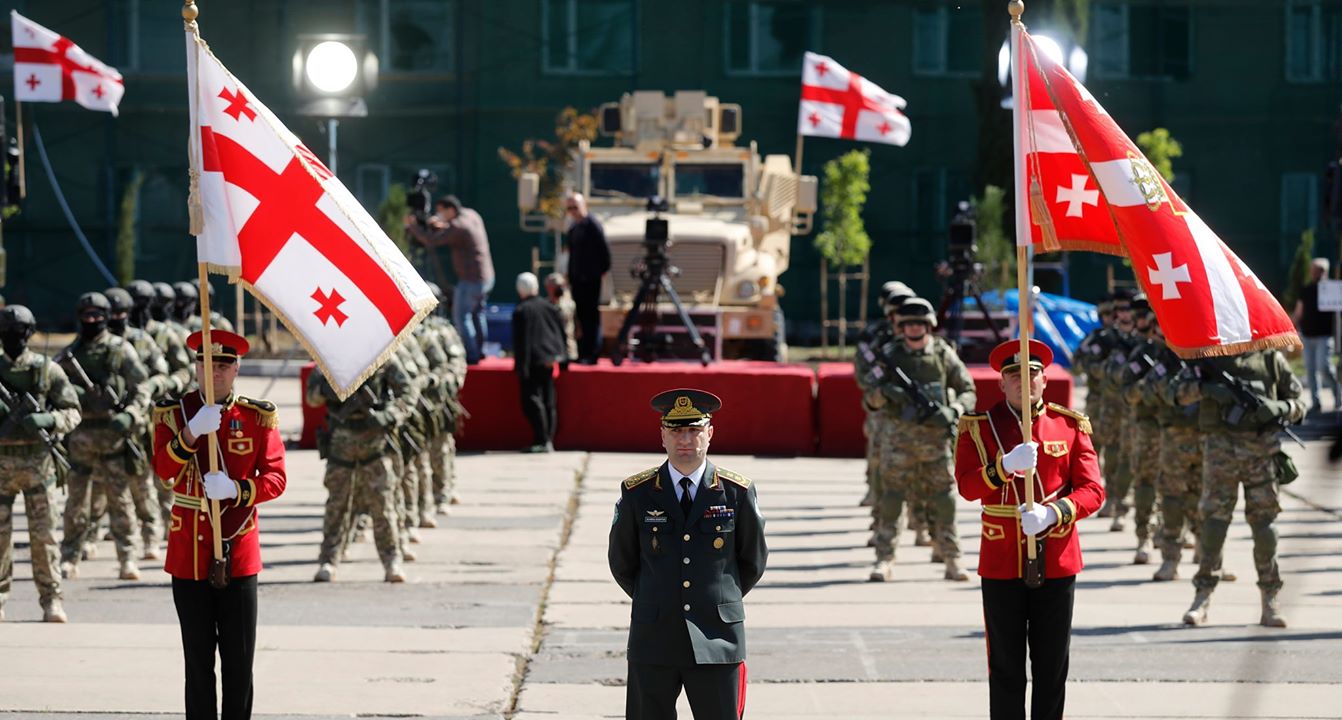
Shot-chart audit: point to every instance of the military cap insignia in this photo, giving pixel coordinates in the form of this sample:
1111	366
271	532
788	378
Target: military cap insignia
685	407
634	481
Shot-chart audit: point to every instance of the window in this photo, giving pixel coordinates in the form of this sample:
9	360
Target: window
936	193
768	38
1299	203
717	180
1313	41
412	36
588	36
948	40
625	180
153	39
1140	40
370	185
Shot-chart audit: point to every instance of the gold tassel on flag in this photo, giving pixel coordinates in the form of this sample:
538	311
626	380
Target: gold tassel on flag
1039	209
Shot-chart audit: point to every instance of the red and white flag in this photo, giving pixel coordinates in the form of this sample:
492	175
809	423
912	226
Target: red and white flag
1083	184
50	68
272	215
839	103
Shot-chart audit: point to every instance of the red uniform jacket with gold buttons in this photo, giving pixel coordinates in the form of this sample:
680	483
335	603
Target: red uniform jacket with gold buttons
250	451
1067	479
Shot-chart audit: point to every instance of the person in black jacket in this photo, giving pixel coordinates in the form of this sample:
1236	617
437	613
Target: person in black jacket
686	545
538	343
588	263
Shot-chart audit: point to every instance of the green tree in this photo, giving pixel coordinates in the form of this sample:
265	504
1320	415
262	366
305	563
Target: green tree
391	216
996	250
125	236
550	159
1298	275
842	197
1160	148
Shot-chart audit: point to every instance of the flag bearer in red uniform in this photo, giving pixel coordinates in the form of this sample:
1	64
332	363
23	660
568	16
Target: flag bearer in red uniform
991	465
251	471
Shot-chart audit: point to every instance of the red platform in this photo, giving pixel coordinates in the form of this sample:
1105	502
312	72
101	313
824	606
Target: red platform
840	413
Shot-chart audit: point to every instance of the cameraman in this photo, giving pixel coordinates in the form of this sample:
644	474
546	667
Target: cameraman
463	231
588	263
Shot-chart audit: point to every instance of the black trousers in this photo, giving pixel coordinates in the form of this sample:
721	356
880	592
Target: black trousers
537	389
587	314
716	692
1017	617
224	620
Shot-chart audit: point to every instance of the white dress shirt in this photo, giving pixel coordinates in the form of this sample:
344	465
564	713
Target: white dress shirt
695	478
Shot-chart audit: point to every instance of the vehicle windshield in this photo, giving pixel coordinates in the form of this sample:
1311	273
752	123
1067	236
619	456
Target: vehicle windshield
717	180
625	180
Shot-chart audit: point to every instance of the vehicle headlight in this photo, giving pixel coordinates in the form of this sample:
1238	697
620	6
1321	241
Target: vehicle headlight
745	290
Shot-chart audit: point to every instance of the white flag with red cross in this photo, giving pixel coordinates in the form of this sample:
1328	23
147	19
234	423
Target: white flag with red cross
1085	185
273	216
839	103
51	68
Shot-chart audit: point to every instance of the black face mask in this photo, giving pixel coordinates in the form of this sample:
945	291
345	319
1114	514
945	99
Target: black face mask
139	316
15	341
92	329
159	311
184	310
117	325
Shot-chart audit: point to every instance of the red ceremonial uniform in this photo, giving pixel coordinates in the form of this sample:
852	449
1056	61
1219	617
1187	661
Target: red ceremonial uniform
251	452
1067	478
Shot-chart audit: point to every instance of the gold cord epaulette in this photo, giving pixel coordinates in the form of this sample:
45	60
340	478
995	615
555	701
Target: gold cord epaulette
163	412
970	420
1082	420
737	478
634	481
265	411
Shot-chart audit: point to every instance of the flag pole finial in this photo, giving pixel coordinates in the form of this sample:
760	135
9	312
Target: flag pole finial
189	11
1016	8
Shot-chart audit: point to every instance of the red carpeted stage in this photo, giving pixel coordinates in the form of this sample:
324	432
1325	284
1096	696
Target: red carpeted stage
767	408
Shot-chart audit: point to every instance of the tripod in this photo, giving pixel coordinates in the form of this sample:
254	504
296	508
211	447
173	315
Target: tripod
653	280
963	285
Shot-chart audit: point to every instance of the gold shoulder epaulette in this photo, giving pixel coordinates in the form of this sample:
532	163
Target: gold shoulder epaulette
265	411
969	419
163	412
1082	420
634	481
737	478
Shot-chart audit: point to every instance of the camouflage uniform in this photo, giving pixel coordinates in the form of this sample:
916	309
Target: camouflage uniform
414	471
359	464
1120	418
916	457
1179	482
443	441
1089	360
1143	438
26	467
1245	453
99	454
875	335
193	322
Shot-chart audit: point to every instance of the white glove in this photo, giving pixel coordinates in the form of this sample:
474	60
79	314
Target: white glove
1021	458
1035	521
218	486
205	421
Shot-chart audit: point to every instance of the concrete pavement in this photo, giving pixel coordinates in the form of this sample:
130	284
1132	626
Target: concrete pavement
462	640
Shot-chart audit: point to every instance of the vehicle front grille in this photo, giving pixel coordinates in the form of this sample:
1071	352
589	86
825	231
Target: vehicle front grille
700	265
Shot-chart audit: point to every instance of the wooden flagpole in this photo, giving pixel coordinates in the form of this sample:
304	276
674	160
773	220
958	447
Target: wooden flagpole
1019	86
23	167
206	382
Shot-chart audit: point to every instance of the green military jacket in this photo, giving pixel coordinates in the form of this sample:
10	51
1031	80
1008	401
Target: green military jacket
360	428
1130	376
1264	375
687	576
111	361
33	373
940	375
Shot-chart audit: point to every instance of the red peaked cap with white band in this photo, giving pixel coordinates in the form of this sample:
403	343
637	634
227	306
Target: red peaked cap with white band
1005	357
226	344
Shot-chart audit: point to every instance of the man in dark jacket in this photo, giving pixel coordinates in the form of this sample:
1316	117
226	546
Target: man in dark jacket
538	343
588	263
686	545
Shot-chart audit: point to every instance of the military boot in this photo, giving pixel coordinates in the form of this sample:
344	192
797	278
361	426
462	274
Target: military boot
456	497
869	499
69	570
129	571
150	550
1272	616
325	573
412	535
921	539
443	508
882	571
1117	525
395	574
1197	612
52	612
953	571
936	555
1143	554
1169	570
427	521
408	555
88	551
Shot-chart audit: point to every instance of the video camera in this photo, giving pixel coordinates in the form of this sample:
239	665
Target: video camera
656	241
961	246
420	195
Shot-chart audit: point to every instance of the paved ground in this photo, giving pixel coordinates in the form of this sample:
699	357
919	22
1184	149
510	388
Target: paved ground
462	641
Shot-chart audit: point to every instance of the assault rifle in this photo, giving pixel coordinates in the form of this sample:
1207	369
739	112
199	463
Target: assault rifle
29	405
921	406
1246	400
67	359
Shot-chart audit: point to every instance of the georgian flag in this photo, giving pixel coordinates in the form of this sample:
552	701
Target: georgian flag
273	216
1084	185
836	102
51	68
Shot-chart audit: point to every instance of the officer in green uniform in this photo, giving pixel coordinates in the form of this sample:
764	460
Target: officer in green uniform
687	544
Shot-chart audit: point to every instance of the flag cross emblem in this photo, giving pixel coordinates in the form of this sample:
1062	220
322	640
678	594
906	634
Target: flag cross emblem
58	54
1077	195
851	98
1167	276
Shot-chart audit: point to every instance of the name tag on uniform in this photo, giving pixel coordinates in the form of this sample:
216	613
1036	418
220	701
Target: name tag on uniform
655	516
1055	448
240	446
719	511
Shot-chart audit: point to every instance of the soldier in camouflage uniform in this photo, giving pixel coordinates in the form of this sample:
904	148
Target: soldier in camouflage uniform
412	435
1144	431
142	491
452	377
1245	402
877	333
1179	480
1118	414
26	462
1089	361
359	451
164	309
114	403
186	307
916	452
